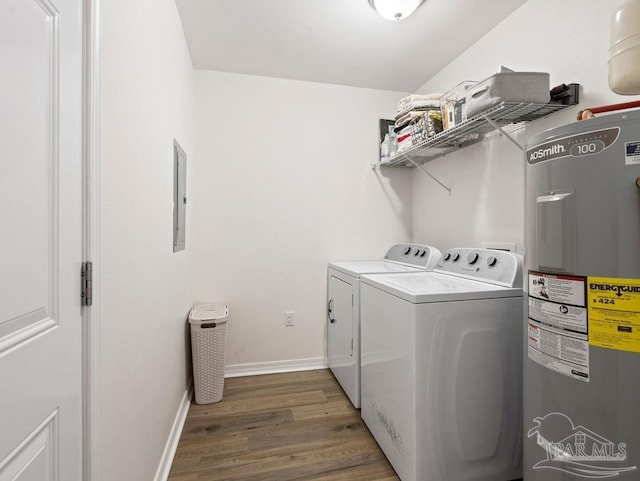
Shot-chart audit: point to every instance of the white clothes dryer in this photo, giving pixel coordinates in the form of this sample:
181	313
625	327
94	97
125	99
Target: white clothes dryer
441	367
343	306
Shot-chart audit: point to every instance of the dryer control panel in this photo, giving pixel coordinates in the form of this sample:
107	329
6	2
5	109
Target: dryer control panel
487	265
417	255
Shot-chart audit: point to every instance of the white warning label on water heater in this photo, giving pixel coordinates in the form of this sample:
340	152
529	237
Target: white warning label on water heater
632	153
557	331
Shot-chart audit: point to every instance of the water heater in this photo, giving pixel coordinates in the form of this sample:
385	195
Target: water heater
582	321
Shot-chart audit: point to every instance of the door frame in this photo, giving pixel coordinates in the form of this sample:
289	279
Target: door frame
91	238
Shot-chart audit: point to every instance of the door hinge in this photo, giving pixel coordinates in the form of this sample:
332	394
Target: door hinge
86	284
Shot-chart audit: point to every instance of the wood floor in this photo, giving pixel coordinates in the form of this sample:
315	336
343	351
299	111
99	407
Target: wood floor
279	427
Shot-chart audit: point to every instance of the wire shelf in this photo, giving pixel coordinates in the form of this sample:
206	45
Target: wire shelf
473	130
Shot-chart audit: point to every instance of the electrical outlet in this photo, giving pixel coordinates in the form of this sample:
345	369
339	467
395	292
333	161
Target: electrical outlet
288	318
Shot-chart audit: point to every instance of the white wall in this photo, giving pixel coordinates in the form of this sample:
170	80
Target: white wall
284	186
147	101
567	38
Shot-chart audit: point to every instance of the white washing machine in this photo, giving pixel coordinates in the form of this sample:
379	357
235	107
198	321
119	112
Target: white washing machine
441	367
343	307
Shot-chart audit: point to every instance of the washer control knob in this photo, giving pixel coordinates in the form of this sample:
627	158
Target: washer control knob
407	250
447	256
422	253
455	257
491	261
472	258
416	252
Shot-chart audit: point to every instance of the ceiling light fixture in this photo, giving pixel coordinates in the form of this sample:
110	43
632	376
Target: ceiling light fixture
395	9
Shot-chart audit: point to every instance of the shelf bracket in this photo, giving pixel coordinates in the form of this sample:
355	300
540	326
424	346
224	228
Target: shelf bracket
503	132
428	173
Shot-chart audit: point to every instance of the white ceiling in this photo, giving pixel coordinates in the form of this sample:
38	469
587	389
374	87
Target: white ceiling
335	41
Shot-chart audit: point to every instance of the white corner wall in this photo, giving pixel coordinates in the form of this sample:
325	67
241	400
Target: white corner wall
284	185
567	38
147	101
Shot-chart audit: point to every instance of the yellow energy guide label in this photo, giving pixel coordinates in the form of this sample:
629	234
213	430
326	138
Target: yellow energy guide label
614	313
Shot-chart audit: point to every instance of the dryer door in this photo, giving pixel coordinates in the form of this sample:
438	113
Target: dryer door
340	322
340	332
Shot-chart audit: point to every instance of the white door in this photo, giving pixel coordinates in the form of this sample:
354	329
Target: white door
40	240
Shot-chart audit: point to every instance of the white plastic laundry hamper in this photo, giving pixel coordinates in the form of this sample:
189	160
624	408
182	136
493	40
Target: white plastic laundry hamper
208	324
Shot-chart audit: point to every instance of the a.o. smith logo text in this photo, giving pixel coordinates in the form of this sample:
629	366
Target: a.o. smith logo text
584	143
552	151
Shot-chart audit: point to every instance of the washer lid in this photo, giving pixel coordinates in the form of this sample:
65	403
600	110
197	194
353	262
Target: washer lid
423	287
399	258
357	268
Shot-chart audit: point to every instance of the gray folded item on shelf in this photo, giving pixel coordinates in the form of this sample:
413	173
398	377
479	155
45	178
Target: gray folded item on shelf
418	97
417	105
408	117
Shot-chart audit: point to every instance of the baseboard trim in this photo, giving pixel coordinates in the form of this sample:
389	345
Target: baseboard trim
238	370
162	474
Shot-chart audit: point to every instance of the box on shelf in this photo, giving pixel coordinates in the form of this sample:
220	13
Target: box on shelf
531	87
